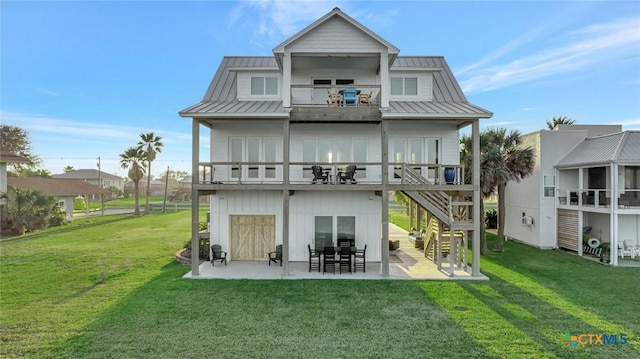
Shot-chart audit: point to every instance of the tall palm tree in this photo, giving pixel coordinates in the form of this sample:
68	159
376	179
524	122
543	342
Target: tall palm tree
133	159
150	144
516	162
559	120
488	170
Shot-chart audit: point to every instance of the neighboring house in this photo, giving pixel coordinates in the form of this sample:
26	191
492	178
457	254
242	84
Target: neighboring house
5	159
586	176
95	177
156	187
273	118
65	190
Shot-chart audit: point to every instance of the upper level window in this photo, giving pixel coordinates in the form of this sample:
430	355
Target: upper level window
549	186
264	85
404	86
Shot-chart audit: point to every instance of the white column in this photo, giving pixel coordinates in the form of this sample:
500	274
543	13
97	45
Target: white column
613	216
195	158
384	271
580	213
285	198
475	133
286	79
385	83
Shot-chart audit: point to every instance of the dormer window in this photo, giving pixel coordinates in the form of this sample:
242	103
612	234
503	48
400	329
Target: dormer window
404	86
262	85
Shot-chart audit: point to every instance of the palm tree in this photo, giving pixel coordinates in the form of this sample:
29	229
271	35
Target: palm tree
133	159
513	163
150	145
488	169
559	120
67	169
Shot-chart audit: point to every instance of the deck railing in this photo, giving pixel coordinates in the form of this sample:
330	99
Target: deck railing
301	173
317	95
598	198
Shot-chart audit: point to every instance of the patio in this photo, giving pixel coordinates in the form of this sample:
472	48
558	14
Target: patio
406	262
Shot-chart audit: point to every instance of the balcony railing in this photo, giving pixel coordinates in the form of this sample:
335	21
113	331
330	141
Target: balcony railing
318	95
301	173
599	198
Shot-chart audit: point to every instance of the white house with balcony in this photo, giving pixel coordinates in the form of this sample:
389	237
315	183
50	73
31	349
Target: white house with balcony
586	181
307	144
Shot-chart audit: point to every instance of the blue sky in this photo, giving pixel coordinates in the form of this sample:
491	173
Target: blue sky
86	78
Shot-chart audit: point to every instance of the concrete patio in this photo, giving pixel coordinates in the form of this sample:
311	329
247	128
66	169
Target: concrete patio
406	262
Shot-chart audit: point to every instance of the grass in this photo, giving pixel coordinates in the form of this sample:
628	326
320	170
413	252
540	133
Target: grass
109	288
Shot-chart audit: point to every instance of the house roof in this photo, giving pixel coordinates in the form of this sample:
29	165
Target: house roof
55	186
10	157
615	147
220	98
335	13
87	174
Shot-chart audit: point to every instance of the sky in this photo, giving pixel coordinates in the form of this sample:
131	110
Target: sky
86	78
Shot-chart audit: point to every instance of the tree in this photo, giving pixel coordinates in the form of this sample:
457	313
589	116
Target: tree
28	210
68	169
513	163
16	140
559	120
133	159
150	145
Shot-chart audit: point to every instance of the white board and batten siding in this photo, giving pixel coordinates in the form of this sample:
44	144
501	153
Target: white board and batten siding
336	35
304	206
425	85
244	85
568	231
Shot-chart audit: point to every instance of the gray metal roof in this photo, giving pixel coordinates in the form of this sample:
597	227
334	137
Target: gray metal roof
220	98
424	109
616	147
87	174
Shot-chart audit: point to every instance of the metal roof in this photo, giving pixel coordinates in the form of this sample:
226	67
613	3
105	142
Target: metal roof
616	147
9	157
220	98
429	109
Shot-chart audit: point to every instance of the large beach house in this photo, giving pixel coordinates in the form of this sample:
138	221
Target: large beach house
307	144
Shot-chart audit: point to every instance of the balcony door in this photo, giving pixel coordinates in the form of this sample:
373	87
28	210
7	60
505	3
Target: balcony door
252	152
319	95
417	151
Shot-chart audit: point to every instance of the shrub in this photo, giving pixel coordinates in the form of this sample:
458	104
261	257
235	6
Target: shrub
491	218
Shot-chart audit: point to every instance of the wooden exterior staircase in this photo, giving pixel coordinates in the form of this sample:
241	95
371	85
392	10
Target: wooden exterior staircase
448	222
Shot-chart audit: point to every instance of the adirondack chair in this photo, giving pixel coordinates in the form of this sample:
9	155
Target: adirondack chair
319	174
350	97
348	175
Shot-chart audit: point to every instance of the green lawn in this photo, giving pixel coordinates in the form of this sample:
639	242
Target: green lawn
109	288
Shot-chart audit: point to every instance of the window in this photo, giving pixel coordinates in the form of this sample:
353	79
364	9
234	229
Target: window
549	189
264	86
346	227
404	86
323	232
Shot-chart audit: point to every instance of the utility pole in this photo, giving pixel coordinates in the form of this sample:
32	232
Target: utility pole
101	187
166	185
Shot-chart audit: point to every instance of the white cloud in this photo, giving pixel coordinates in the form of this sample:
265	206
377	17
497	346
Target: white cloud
590	46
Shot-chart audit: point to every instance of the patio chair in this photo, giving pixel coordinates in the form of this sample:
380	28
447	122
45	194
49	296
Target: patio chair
345	259
334	98
348	175
314	259
276	256
218	253
359	259
625	250
329	261
365	98
350	97
319	174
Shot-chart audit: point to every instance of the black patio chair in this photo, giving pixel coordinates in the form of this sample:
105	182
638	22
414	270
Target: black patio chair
218	253
276	255
329	255
348	175
345	259
314	259
319	174
359	259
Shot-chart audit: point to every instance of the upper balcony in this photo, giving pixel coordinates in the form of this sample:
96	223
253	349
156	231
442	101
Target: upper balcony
599	200
328	176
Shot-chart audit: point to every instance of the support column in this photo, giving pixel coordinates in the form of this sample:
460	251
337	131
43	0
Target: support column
613	216
385	83
195	158
286	79
285	198
384	132
475	133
